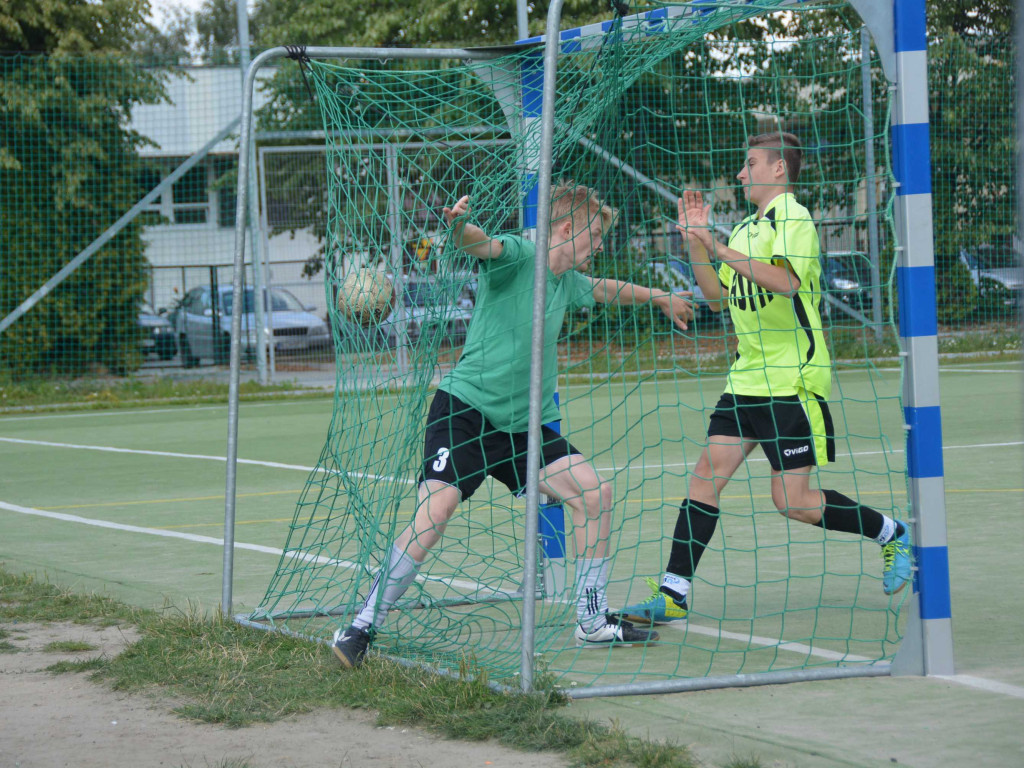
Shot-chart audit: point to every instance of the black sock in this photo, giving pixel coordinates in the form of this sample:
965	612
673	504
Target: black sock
694	528
844	514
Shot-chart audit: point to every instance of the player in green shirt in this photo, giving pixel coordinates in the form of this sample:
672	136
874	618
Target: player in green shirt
477	423
778	386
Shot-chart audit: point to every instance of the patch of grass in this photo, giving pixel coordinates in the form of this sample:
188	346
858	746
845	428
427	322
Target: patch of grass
102	393
224	673
86	665
68	646
26	598
744	761
236	676
8	647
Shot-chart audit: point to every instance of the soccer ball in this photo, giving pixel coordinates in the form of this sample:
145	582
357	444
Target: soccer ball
366	296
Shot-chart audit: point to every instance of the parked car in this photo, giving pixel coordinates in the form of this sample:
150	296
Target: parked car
996	272
429	311
158	333
846	277
204	324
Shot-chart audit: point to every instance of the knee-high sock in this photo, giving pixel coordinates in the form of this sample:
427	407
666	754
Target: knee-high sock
390	586
844	514
591	592
694	528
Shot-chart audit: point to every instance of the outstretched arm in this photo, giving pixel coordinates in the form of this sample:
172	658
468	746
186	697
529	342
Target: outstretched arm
676	306
693	224
469	237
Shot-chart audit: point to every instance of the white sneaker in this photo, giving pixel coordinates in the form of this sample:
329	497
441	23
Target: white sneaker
615	632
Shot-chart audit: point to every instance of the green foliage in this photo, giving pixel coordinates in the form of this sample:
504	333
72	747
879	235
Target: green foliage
956	296
68	168
69	27
971	95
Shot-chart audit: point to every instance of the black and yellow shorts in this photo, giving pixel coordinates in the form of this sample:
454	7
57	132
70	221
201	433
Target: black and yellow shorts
794	431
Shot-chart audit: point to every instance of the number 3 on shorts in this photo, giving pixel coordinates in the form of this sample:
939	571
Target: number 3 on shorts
442	460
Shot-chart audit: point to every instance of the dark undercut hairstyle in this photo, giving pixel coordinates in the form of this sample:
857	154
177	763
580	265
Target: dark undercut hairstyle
784	145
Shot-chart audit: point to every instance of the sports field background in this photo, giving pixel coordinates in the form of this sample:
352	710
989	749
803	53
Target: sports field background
130	502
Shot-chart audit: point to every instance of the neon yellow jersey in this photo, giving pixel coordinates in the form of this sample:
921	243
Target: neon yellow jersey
781	348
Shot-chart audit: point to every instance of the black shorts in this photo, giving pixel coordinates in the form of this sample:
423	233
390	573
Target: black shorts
794	432
461	448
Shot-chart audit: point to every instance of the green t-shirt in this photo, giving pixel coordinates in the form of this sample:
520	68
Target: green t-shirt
493	374
781	347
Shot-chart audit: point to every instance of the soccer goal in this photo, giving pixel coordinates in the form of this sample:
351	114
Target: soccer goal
656	100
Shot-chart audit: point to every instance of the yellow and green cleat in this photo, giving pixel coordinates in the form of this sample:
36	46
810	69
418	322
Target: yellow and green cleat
659	608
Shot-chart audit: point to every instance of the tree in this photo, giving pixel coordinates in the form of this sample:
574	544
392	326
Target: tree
171	44
69	168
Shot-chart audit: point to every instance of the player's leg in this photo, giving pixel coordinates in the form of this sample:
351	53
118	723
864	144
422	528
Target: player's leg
436	503
575	481
695	525
453	468
806	440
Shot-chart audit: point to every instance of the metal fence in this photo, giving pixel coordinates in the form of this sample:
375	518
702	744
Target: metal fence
118	222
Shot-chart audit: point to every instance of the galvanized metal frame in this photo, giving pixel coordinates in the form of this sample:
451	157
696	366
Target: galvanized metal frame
898	29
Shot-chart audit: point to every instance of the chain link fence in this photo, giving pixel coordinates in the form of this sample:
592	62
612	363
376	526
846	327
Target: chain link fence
117	196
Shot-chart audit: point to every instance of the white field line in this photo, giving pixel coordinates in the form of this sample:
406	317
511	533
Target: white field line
991	686
768	642
471	586
303	468
204	457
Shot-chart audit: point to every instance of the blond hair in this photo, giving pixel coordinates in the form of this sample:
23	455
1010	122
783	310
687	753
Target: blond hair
581	203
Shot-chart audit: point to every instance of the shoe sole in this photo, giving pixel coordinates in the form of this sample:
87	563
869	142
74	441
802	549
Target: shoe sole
585	644
897	590
643	620
344	659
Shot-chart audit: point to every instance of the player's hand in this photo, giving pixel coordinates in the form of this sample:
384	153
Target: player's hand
457	211
694	215
677	307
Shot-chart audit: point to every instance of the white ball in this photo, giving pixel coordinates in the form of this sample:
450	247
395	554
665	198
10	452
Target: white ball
366	296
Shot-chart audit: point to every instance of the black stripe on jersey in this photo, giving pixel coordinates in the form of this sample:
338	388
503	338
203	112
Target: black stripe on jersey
770	215
801	314
743	289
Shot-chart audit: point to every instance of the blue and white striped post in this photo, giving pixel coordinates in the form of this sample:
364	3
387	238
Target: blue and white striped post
927	647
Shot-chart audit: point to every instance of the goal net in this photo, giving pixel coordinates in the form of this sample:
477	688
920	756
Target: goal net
646	106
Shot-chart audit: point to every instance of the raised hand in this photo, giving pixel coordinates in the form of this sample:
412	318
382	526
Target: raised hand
694	215
457	211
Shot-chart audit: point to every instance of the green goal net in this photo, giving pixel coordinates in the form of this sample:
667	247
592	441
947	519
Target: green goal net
644	110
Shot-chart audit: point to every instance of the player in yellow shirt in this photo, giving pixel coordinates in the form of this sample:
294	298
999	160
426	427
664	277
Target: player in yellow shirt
778	386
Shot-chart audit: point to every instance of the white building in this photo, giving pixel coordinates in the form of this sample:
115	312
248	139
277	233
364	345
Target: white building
190	234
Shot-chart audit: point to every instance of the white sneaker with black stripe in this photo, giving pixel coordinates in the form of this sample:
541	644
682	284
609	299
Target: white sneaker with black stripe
615	632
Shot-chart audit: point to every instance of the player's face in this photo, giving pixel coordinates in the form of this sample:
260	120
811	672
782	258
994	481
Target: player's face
759	173
587	242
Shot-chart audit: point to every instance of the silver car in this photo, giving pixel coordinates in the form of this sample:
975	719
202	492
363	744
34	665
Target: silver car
204	324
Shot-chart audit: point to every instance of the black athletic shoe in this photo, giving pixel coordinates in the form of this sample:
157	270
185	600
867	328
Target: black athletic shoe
350	645
616	631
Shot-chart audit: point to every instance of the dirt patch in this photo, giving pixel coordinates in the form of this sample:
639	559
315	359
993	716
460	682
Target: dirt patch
68	720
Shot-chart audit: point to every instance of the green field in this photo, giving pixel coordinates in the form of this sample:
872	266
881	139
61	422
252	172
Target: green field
130	503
